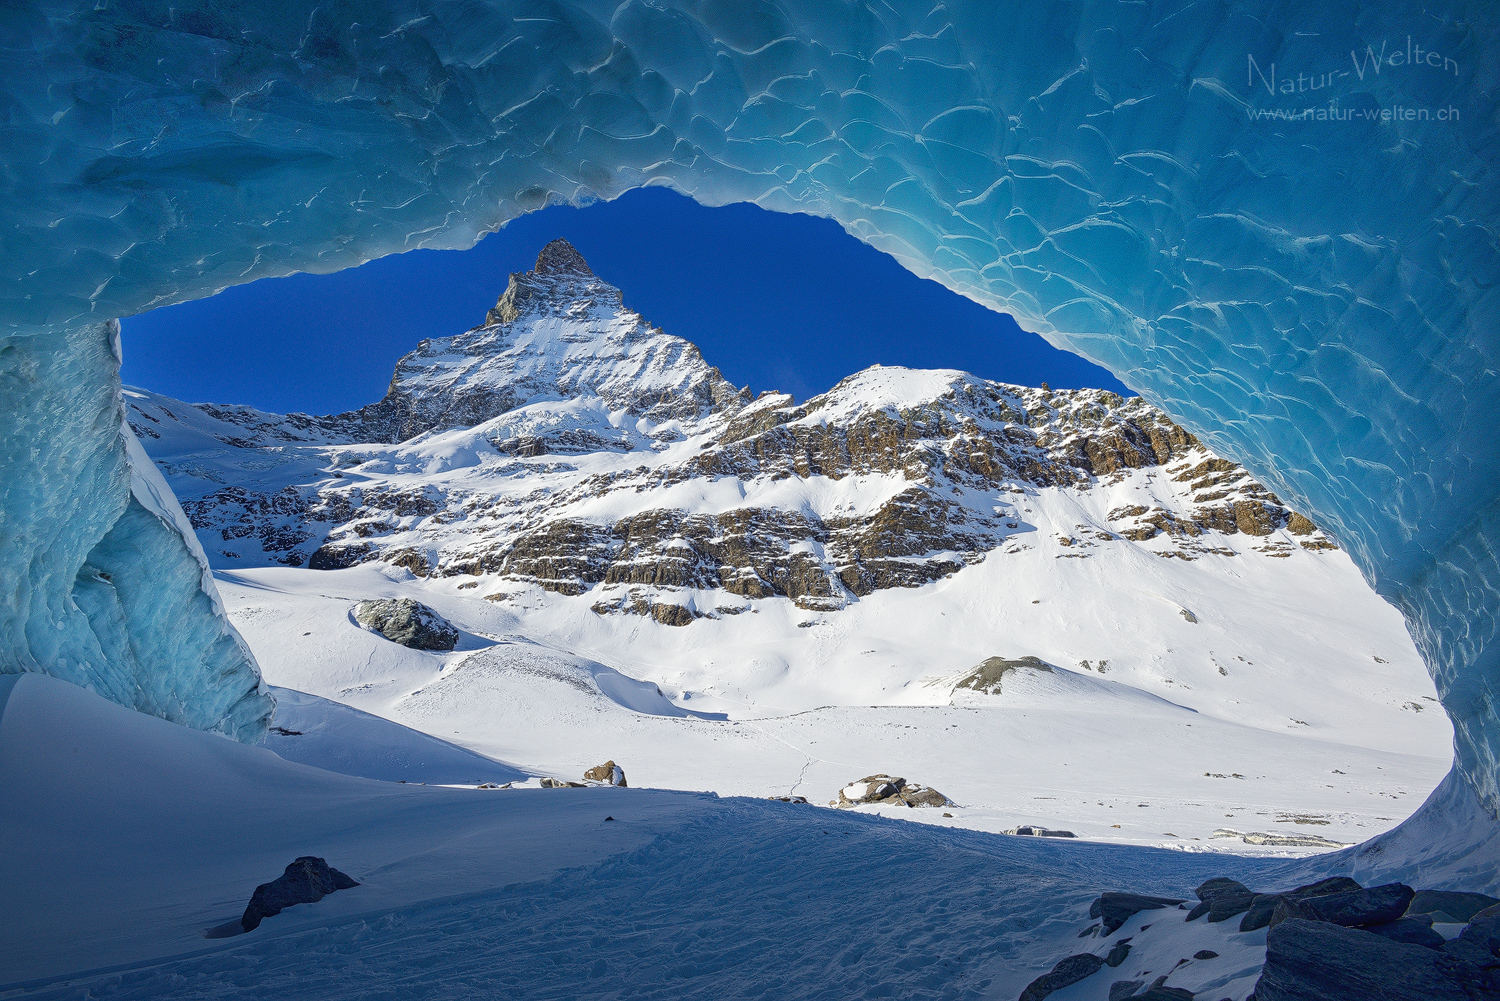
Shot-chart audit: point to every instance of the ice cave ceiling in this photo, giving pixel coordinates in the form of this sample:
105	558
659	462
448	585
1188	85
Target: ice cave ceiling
1278	221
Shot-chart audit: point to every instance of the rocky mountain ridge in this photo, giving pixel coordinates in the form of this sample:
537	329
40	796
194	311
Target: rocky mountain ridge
569	445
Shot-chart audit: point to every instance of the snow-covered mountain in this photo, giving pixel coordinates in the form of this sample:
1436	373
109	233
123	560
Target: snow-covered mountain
641	555
569	444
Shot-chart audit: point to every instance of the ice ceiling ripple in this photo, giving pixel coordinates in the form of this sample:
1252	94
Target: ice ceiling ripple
1316	297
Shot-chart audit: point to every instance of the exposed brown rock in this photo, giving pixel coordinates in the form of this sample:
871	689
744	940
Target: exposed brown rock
609	773
986	678
975	436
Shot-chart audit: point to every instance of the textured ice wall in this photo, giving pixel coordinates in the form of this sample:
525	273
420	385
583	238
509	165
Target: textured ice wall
104	582
1316	298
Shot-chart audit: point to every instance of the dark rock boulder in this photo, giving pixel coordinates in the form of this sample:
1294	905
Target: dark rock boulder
1211	890
1116	908
1376	906
1161	992
1319	961
1228	904
408	622
1412	931
1122	989
1459	906
888	790
609	773
1264	905
306	881
1479	943
1333	884
1033	831
1066	973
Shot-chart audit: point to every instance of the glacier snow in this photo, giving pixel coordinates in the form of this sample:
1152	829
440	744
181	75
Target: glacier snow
1316	298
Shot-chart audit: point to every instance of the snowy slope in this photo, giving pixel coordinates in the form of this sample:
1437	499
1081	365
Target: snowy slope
528	893
761	707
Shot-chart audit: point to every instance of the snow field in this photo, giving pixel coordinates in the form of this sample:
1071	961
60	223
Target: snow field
757	706
521	894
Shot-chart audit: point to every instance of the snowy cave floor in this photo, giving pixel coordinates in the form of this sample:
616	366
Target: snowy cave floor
128	836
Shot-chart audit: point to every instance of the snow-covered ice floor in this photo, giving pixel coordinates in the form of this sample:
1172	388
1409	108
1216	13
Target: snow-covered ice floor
127	835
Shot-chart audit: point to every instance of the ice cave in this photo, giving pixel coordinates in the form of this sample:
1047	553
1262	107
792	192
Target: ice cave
1277	221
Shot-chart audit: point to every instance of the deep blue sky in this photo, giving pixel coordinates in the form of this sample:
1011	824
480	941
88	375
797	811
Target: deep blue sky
786	302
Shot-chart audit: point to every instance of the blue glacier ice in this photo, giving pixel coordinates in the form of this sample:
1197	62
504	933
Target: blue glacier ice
1276	221
105	582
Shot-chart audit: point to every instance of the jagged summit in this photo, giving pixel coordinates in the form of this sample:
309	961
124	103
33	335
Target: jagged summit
561	282
558	332
561	257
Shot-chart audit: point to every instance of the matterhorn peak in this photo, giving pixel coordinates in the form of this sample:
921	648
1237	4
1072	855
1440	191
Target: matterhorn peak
561	277
561	258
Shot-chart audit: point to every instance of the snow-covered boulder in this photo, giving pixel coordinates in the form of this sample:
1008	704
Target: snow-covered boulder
408	622
608	773
888	790
1034	831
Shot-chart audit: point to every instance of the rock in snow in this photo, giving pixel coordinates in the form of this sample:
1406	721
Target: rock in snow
888	790
1458	906
1351	908
306	881
1263	907
609	773
408	622
1066	973
986	677
1116	908
1033	831
1319	961
1220	899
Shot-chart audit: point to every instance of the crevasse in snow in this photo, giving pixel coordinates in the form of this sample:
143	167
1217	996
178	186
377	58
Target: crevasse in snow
1278	225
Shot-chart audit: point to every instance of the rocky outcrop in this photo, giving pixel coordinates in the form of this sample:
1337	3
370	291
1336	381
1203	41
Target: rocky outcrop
888	790
408	622
1351	908
609	774
551	783
1332	940
1278	840
307	880
1033	831
1114	909
986	678
1066	973
1318	961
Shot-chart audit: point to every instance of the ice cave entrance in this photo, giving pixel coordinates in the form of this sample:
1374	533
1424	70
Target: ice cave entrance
961	534
1308	291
